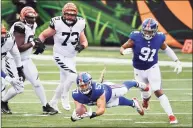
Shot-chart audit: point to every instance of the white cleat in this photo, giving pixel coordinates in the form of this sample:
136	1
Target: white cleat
173	119
138	107
65	103
55	106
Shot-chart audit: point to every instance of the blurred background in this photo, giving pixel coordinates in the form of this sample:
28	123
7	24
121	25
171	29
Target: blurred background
109	22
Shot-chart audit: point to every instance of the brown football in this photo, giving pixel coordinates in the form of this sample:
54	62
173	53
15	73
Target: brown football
81	110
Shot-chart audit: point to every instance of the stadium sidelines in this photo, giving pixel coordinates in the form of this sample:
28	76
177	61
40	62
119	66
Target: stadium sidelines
108	60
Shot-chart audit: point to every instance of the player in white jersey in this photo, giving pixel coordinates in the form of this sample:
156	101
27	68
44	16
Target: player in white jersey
69	39
8	45
23	32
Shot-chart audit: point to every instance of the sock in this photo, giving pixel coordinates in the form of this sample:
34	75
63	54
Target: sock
10	94
165	104
41	94
130	84
125	102
145	95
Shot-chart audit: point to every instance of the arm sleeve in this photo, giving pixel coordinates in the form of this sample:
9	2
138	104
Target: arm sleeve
16	55
171	53
52	24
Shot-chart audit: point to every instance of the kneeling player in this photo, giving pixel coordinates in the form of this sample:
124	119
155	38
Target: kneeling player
103	95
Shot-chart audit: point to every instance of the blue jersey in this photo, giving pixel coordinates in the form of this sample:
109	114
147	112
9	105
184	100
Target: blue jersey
146	51
97	91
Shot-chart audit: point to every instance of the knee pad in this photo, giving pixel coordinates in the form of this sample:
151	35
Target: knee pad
36	83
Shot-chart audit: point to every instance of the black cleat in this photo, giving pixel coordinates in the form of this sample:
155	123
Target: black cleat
49	110
5	108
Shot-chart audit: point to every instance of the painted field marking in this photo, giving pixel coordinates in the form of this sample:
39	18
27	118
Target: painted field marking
115	119
20	102
161	122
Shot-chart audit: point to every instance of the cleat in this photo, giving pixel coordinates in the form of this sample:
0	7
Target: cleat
55	106
173	119
145	104
5	108
49	110
138	107
65	104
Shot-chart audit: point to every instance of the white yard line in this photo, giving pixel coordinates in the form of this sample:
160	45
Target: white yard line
51	82
168	89
109	60
107	72
20	102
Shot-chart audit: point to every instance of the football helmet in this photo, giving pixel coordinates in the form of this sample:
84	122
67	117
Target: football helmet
149	28
28	15
84	81
69	12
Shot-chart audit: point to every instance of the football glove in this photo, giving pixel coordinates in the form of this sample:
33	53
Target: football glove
75	116
40	47
178	67
16	83
21	73
79	47
89	114
127	51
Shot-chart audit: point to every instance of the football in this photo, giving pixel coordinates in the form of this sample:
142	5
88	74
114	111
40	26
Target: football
81	110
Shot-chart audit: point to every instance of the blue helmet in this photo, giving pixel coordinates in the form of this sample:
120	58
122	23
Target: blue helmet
83	82
149	28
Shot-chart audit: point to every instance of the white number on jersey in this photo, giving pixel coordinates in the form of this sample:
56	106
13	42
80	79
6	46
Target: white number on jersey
67	34
148	54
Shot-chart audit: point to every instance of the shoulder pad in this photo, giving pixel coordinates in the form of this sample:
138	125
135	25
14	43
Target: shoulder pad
19	27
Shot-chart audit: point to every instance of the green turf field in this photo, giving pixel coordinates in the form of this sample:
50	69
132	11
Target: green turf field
27	109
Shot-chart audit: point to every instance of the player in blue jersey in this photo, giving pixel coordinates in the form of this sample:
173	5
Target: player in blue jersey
103	95
145	45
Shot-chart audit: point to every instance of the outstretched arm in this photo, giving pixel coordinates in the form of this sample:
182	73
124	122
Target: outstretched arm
47	33
173	56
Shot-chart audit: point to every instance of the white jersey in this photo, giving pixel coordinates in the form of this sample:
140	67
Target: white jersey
66	37
29	35
10	47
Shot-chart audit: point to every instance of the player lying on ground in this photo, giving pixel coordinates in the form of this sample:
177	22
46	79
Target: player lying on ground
104	95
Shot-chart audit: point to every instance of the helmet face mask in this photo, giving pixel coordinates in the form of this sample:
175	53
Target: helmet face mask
30	20
84	81
149	28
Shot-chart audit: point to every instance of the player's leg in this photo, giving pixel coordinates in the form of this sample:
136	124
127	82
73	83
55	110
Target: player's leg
141	76
133	83
154	77
31	74
65	101
117	99
67	76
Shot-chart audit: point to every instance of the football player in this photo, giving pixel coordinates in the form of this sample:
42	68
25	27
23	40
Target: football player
69	39
103	95
23	32
145	45
8	46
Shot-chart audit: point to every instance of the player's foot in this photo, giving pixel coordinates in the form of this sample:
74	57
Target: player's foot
138	106
173	119
143	86
66	104
5	108
55	106
145	104
49	110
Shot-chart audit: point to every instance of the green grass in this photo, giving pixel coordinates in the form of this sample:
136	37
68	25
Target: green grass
27	109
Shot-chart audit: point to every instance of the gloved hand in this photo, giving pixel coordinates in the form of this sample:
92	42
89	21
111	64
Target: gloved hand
21	73
79	47
89	114
127	51
178	67
40	47
13	81
75	116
